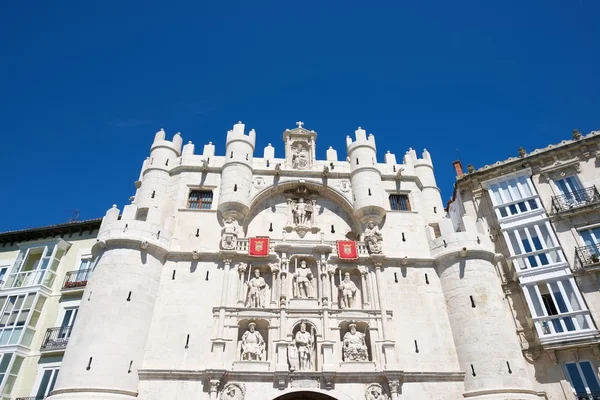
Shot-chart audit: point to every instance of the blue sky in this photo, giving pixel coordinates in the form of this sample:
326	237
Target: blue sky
85	85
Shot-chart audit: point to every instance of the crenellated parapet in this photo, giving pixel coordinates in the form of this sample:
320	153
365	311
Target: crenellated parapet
132	229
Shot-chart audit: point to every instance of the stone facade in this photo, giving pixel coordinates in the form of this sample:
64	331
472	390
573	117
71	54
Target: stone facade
541	210
365	289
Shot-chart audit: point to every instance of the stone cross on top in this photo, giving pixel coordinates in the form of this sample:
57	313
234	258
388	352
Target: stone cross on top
299	123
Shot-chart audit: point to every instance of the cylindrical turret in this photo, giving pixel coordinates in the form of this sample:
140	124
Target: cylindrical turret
366	178
107	345
152	192
236	175
432	207
484	334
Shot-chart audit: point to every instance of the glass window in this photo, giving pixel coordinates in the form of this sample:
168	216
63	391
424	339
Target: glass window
513	196
15	315
534	246
399	202
200	200
583	378
47	382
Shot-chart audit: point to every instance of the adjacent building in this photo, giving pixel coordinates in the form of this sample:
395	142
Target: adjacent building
542	212
43	272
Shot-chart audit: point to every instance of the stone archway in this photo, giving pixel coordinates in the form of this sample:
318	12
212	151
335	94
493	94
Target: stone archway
305	395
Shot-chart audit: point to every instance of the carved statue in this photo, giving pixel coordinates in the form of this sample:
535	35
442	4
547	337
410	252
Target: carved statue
233	391
375	392
304	282
304	342
230	234
373	238
302	212
347	291
355	348
300	156
257	291
293	356
253	344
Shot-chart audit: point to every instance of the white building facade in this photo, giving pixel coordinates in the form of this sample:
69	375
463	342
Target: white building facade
43	272
243	277
542	213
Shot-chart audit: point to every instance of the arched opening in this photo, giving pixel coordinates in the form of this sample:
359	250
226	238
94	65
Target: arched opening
305	396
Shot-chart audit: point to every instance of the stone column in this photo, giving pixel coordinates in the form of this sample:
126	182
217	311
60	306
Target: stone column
290	214
364	286
274	272
332	286
378	279
223	305
313	214
214	385
241	267
394	388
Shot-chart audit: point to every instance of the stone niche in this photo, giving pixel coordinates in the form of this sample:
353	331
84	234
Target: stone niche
303	348
355	343
349	288
301	210
304	282
257	286
299	148
252	351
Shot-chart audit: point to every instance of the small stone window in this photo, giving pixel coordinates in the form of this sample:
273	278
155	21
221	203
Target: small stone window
200	200
399	202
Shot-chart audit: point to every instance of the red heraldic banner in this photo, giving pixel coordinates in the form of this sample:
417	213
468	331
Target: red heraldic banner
259	247
347	250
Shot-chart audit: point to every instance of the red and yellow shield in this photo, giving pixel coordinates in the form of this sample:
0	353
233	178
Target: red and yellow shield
258	247
347	250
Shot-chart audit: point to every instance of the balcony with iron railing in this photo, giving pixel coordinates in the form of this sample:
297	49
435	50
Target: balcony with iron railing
76	280
575	200
587	257
56	338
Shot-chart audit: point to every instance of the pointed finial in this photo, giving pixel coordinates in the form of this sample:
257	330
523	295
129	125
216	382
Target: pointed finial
299	123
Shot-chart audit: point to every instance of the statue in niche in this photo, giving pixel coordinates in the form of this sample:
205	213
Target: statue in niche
233	391
253	344
305	342
302	212
230	234
303	277
257	291
375	392
347	291
373	238
355	347
293	357
299	155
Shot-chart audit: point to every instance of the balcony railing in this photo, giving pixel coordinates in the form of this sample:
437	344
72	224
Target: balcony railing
586	256
44	277
586	396
575	199
32	398
76	279
56	338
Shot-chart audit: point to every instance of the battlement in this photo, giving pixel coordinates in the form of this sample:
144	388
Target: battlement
161	142
361	140
410	158
135	225
472	239
237	134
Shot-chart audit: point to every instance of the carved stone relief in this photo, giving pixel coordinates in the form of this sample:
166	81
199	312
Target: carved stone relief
230	234
354	345
233	391
375	392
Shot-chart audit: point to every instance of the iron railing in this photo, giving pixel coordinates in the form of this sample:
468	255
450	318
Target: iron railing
31	398
587	255
576	199
76	279
588	396
56	338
